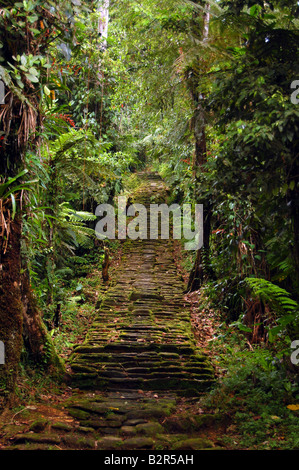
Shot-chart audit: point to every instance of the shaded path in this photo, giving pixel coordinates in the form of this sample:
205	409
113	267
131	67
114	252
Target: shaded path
138	376
142	336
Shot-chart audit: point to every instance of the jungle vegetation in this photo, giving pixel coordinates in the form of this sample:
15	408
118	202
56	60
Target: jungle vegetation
204	93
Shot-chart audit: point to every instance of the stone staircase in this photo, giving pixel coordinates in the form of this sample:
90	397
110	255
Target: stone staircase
138	377
142	337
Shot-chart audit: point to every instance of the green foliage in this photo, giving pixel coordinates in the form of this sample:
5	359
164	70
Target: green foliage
71	230
286	310
10	188
269	292
254	389
80	117
227	294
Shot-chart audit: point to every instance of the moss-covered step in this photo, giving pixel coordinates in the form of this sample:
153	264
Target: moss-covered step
142	335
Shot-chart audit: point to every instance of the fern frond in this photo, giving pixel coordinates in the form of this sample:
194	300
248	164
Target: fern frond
272	294
282	303
72	228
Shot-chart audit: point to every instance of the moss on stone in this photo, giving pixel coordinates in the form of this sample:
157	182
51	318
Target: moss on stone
109	443
136	443
193	444
60	426
79	442
38	425
37	438
149	429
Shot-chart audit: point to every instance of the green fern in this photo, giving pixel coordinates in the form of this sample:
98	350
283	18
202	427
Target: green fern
79	162
72	228
282	304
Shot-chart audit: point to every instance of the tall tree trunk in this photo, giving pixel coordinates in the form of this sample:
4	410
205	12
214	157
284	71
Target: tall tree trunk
11	310
16	137
20	125
103	22
293	204
201	269
103	9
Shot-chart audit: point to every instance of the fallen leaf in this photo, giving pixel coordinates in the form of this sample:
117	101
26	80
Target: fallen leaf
293	407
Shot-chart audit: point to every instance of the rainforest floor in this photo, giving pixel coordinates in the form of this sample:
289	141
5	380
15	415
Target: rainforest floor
149	366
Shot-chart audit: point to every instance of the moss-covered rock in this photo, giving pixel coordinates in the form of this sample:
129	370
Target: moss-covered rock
149	429
109	443
60	426
76	442
128	430
38	425
136	443
196	443
37	438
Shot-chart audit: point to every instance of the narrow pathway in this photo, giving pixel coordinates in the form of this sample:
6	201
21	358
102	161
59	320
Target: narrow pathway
142	336
138	376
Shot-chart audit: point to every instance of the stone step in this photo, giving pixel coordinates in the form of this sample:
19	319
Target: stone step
94	382
141	336
127	369
144	360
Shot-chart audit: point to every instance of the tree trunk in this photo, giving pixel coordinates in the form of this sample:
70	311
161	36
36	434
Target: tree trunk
103	9
20	126
201	270
105	266
293	204
11	310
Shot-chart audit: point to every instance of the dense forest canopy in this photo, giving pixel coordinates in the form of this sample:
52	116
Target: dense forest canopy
204	93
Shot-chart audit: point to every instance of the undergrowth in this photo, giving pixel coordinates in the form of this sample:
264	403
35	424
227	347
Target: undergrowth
257	390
